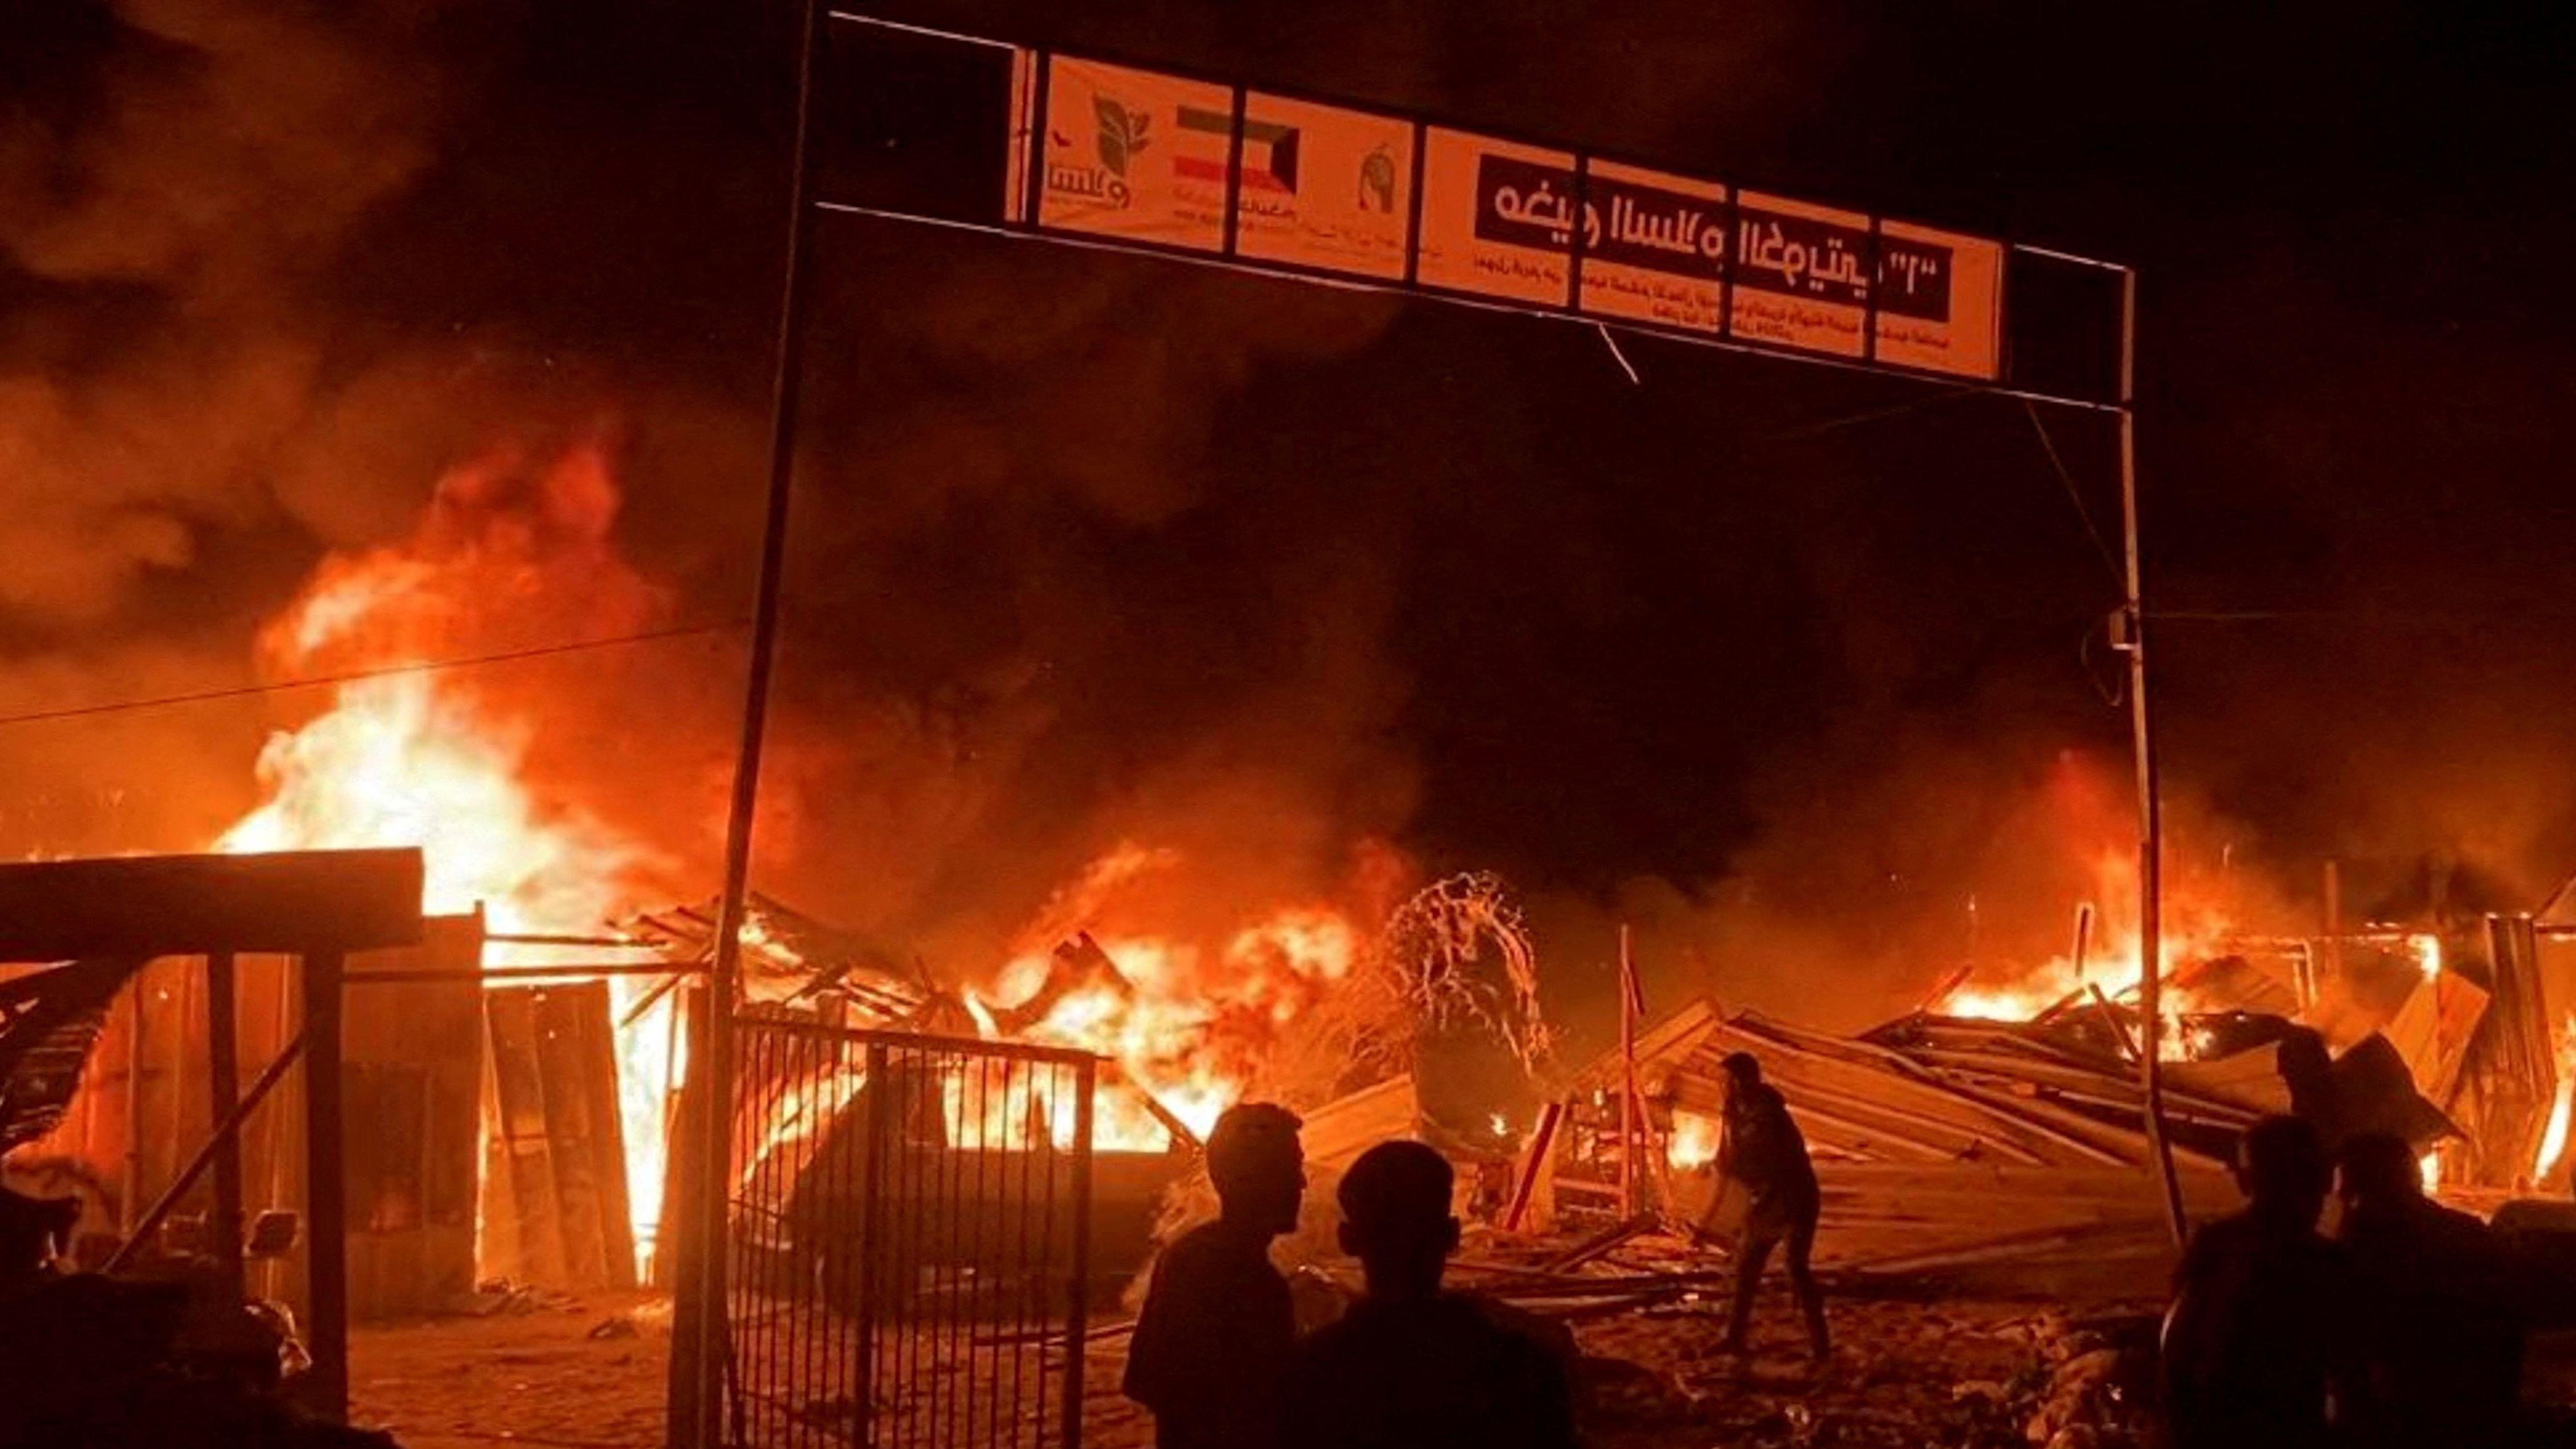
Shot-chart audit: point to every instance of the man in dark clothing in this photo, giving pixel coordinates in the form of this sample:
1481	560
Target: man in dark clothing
1765	1153
2255	1342
2439	1349
1213	1340
1411	1367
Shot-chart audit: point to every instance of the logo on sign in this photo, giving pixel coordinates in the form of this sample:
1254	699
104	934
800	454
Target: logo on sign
1269	151
1123	135
1377	181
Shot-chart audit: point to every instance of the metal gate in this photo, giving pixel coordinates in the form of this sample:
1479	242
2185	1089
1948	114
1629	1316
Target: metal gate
908	1240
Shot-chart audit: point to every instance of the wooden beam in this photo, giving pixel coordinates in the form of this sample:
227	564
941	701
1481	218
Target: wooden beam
223	1080
326	1189
290	903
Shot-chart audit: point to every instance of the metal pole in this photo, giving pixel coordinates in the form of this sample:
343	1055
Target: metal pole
1627	1080
1077	1323
2150	805
223	1084
326	1191
130	1200
695	1418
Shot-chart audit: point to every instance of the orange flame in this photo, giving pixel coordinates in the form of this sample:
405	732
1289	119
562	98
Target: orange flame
420	759
1693	1143
1192	1028
2192	929
2553	1138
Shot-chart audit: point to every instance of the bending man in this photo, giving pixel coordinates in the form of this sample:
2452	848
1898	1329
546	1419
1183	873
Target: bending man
1765	1153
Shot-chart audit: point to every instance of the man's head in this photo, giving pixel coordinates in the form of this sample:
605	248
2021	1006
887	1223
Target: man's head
2379	1174
1395	1216
2302	1058
2283	1168
1257	1166
1743	1074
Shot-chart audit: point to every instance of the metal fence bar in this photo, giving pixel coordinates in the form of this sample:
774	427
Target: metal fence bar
907	1240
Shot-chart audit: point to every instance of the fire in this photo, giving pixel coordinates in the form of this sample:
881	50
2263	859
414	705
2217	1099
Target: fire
2114	966
422	759
1693	1143
2553	1139
1192	1027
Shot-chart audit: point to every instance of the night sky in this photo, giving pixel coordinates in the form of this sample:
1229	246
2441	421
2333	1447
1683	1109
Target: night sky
1093	546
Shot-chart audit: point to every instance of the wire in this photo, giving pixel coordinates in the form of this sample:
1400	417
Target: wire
2048	445
319	681
1872	415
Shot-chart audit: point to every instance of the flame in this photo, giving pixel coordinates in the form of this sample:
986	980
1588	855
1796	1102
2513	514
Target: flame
1693	1143
2553	1139
422	759
2192	930
1191	1027
2428	955
2429	1168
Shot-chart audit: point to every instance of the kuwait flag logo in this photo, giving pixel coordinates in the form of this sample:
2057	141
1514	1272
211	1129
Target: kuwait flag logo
1269	151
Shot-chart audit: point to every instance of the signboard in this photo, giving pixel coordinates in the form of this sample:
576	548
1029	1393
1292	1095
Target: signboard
1325	187
1939	300
1174	162
1801	275
1654	247
1135	155
1497	218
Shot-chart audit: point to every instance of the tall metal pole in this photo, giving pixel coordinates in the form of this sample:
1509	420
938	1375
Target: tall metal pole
2150	803
712	1061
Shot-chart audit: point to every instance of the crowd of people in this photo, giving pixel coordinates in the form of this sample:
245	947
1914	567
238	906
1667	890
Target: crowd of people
2403	1328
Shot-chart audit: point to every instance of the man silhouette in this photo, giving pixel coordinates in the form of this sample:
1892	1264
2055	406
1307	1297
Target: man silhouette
2255	1339
1412	1367
1764	1151
2439	1348
1213	1340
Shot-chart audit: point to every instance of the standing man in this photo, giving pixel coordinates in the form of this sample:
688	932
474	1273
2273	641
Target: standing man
1764	1151
2259	1336
2436	1331
1411	1366
1211	1347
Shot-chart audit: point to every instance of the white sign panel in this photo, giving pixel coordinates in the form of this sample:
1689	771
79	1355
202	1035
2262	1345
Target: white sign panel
1324	187
1801	274
1939	300
1654	247
1135	155
1497	218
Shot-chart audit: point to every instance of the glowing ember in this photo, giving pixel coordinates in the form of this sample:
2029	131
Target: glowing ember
1693	1143
2428	955
2553	1139
420	759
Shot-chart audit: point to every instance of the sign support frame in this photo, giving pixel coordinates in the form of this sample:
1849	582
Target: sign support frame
700	1344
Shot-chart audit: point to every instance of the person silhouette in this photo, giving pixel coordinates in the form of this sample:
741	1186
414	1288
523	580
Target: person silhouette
2255	1341
1410	1366
2440	1337
1213	1339
1764	1151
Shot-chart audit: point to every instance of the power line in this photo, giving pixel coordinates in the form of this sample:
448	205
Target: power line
433	666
